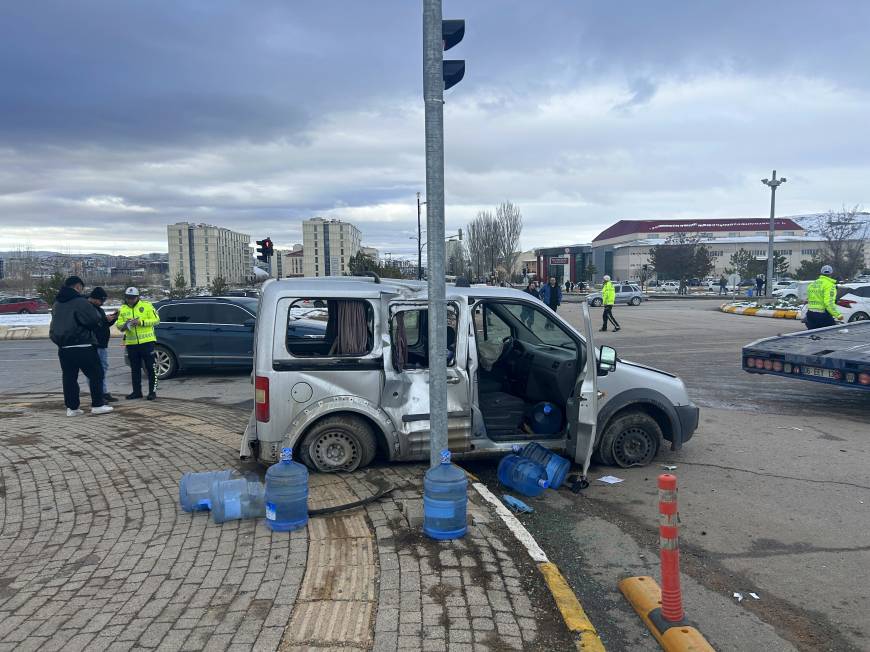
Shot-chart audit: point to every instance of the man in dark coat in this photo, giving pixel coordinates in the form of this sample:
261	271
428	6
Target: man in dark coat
73	324
98	297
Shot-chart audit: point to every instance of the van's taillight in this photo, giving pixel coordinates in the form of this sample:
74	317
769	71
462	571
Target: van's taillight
261	398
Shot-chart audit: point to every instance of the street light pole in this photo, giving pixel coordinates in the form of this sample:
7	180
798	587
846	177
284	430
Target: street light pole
433	99
419	240
773	183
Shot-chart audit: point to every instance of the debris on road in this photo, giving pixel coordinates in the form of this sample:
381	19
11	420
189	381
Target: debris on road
669	467
754	595
738	596
518	506
610	479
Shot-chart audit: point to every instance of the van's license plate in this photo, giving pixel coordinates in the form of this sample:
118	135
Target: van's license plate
819	372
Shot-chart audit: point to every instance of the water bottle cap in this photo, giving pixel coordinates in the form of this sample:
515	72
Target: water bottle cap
516	448
445	456
547	408
286	454
543	483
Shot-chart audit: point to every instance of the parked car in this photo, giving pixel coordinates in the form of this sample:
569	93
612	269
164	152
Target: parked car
855	301
794	290
362	386
204	332
625	293
22	305
669	286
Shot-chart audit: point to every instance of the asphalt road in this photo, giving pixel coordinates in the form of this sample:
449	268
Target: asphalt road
774	489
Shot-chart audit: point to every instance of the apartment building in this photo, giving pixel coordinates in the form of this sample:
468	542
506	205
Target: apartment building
202	252
289	262
328	246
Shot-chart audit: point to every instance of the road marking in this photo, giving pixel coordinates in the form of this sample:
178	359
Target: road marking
569	606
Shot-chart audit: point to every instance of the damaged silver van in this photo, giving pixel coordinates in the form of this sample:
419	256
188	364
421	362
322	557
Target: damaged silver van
341	373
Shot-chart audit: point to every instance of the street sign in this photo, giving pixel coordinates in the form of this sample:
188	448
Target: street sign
562	260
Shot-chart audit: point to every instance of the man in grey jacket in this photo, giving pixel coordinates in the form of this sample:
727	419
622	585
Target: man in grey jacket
73	323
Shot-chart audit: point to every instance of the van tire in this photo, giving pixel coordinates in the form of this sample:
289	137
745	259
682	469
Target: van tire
631	439
338	443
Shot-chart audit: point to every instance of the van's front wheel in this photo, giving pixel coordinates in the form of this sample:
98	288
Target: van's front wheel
338	443
632	439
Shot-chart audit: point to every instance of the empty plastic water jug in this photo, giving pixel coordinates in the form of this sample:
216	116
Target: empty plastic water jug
193	490
237	498
286	494
445	500
556	466
546	418
523	475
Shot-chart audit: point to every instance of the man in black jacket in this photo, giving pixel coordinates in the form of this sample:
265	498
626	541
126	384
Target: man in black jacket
73	322
98	297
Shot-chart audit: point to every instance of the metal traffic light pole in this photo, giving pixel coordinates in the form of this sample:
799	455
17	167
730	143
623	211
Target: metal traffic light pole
433	98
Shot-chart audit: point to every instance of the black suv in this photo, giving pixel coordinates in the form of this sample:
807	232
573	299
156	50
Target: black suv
204	332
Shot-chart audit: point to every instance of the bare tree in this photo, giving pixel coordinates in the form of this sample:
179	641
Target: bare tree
492	241
844	232
509	220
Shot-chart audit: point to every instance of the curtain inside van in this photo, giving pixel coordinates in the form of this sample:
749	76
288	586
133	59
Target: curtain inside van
348	323
400	343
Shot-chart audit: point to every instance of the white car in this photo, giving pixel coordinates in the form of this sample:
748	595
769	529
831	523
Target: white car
669	286
795	290
855	301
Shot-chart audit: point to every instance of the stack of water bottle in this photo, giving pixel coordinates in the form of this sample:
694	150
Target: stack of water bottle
532	469
230	495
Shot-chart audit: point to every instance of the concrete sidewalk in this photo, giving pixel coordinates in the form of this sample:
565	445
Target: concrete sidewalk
96	553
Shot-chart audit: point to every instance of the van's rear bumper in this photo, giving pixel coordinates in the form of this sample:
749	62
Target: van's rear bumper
688	415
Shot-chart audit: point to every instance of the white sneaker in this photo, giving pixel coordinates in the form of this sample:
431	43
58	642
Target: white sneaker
103	409
74	413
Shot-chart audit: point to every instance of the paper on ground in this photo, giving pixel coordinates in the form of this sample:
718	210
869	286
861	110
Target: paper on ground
610	479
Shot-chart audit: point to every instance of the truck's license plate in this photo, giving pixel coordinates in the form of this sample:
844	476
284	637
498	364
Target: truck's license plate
819	372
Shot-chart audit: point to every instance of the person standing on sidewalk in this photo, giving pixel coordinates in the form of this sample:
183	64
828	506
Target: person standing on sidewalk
137	319
608	298
73	323
822	301
98	297
528	314
723	285
551	294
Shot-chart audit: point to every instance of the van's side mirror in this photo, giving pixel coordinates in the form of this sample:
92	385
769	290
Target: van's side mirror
606	360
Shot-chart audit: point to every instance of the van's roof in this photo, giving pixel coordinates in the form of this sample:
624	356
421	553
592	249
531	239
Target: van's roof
366	287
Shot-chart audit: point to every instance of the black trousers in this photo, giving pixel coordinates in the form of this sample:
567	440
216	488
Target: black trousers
608	317
86	360
142	355
819	320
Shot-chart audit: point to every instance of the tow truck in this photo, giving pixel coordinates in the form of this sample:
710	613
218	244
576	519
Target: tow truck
837	355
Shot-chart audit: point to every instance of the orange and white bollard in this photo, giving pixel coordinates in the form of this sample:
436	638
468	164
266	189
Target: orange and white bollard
669	555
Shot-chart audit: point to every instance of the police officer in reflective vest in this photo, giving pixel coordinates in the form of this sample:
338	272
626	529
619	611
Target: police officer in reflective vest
822	301
137	319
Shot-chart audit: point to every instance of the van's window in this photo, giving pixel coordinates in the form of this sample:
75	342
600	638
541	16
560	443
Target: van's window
489	326
187	313
330	327
410	338
542	326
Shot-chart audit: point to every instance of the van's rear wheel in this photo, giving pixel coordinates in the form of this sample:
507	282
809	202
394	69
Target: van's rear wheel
338	443
632	439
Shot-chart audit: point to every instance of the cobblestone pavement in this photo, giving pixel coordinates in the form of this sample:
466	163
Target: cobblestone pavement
96	554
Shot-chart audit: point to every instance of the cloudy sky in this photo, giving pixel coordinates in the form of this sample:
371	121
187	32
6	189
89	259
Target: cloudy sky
118	117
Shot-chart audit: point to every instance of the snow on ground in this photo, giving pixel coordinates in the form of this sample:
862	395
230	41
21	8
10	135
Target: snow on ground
25	320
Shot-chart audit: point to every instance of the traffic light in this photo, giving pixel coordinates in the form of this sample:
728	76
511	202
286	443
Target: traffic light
452	32
264	249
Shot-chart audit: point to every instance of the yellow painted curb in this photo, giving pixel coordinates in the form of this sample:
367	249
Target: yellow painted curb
572	611
644	594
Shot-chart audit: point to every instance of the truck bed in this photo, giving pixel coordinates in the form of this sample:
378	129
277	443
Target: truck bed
837	355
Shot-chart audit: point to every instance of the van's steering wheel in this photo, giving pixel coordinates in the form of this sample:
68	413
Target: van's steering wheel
508	346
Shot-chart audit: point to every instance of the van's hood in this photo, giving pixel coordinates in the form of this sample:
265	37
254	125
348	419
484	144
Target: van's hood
644	366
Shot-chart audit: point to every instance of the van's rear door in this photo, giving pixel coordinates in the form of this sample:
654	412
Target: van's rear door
583	404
